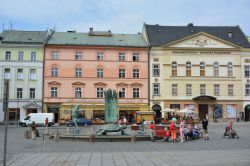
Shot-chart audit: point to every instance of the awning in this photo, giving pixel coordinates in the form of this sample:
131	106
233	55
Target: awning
204	97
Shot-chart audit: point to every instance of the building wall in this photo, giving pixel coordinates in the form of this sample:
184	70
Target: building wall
89	82
25	83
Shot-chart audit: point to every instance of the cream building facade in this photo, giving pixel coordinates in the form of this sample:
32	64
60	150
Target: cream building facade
197	68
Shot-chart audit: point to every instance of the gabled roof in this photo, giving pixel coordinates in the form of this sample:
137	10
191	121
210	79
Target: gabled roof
23	37
163	35
84	39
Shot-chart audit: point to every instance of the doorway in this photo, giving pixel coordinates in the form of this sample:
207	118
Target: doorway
157	109
203	110
247	113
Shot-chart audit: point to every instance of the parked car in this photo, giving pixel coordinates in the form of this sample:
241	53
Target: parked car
80	122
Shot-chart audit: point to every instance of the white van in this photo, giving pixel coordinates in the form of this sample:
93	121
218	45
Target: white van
38	118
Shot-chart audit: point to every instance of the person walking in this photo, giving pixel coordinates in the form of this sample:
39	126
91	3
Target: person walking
182	126
204	125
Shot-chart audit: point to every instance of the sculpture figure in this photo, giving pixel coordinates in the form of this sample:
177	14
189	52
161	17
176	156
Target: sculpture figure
111	115
75	111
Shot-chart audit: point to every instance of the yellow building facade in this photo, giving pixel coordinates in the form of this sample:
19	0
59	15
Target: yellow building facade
199	71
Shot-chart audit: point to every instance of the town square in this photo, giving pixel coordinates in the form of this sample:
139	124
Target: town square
124	82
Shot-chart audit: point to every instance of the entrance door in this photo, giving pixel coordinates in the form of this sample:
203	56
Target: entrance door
157	109
203	110
247	113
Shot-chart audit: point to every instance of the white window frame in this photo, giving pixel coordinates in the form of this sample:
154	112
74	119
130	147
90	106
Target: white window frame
230	69
217	89
78	56
32	93
7	73
136	93
122	56
100	73
174	69
78	72
230	88
216	69
156	70
19	93
54	92
7	55
100	56
33	56
136	73
78	92
247	71
247	90
20	74
174	89
32	74
202	89
136	57
54	55
156	89
54	72
20	56
188	89
122	73
122	93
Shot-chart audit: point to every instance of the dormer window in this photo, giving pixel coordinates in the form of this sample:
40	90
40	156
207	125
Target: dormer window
230	34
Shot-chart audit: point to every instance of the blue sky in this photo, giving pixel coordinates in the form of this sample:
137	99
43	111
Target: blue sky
122	16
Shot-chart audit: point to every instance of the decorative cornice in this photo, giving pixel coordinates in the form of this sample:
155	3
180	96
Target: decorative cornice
54	83
100	84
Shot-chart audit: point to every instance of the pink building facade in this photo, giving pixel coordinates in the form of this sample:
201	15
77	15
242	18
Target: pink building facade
79	67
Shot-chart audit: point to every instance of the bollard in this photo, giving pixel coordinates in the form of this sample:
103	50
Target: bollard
56	137
92	138
46	131
133	137
33	135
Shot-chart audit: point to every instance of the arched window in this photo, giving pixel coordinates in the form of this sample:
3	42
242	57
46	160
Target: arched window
230	69
216	69
174	69
188	69
202	69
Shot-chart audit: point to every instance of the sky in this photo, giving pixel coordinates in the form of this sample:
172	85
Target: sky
121	16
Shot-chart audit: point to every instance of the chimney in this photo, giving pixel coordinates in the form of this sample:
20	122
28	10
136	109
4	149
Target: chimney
91	30
230	34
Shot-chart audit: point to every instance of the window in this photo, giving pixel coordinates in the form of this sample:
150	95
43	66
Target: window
188	89
202	89
33	56
121	73
32	74
20	74
174	89
216	89
54	55
156	70
230	69
99	92
100	56
174	69
230	88
100	73
7	73
19	94
216	69
32	93
122	56
247	89
78	92
247	71
122	93
20	55
7	55
53	91
202	69
136	93
136	73
156	89
136	57
78	72
78	56
54	72
188	68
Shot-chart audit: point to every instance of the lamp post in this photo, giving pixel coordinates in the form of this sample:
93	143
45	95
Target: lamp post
6	120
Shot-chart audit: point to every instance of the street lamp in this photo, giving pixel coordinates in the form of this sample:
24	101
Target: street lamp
5	109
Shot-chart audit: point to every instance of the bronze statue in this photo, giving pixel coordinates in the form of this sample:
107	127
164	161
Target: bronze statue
111	115
75	111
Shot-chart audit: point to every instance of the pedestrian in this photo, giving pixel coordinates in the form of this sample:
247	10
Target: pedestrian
173	131
182	126
204	125
46	123
151	131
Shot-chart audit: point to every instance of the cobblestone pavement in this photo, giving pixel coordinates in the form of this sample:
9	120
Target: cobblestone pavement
216	151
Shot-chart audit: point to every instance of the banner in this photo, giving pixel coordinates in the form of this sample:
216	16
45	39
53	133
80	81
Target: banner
218	113
231	111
